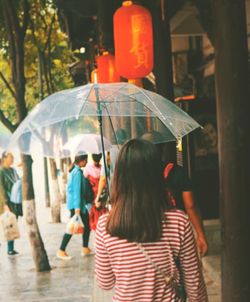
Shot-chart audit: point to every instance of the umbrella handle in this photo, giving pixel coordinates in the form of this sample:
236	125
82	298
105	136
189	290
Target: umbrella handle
99	114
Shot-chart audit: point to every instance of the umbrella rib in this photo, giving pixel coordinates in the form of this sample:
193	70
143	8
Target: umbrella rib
60	134
156	109
160	119
84	103
105	107
143	91
168	116
136	100
122	86
181	119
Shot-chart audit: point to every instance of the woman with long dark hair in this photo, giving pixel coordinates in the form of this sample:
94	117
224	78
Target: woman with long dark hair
144	250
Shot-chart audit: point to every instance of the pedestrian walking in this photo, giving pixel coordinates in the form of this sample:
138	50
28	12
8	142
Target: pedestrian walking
92	171
144	250
181	196
179	187
79	195
121	137
10	192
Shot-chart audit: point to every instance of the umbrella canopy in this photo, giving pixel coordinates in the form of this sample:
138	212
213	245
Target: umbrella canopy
4	141
126	111
4	138
86	142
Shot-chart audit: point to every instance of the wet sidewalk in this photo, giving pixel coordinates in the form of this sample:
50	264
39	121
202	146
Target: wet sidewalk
69	280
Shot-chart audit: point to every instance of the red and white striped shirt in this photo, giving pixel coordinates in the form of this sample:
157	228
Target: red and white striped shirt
122	265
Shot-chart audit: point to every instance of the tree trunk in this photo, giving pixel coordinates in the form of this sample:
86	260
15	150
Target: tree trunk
38	252
45	162
63	179
46	182
54	189
55	195
162	49
163	69
16	32
231	76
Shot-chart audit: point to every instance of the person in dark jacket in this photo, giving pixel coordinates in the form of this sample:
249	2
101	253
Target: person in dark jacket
8	177
179	187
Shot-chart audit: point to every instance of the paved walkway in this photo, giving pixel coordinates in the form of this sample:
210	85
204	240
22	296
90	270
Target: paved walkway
68	281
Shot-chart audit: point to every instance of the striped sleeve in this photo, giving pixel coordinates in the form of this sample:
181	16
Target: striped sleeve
104	273
191	268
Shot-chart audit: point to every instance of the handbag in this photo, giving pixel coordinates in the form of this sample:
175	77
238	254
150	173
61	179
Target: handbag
95	214
104	196
75	225
169	278
9	227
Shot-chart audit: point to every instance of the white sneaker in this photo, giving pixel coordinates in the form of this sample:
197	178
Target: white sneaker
86	251
63	255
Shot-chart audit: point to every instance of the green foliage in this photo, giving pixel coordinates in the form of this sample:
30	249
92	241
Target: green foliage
7	103
44	35
56	53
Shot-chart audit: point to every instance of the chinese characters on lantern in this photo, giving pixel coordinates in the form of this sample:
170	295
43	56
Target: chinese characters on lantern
140	47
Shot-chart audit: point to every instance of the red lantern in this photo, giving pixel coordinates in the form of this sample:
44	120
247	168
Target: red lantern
106	69
133	39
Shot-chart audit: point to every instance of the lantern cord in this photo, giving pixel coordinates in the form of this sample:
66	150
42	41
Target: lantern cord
162	10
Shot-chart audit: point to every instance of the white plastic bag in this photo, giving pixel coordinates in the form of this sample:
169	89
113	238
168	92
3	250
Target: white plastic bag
75	225
8	226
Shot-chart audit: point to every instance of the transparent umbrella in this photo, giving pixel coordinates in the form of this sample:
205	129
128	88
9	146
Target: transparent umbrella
116	107
91	143
4	141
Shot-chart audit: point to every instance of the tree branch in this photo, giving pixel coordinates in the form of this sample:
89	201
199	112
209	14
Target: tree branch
6	122
49	69
11	38
26	17
13	16
8	85
33	33
49	33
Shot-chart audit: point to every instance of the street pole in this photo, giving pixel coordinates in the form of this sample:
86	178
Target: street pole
231	77
162	48
163	71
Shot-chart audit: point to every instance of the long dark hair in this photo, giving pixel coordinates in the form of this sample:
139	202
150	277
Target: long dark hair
138	195
96	159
